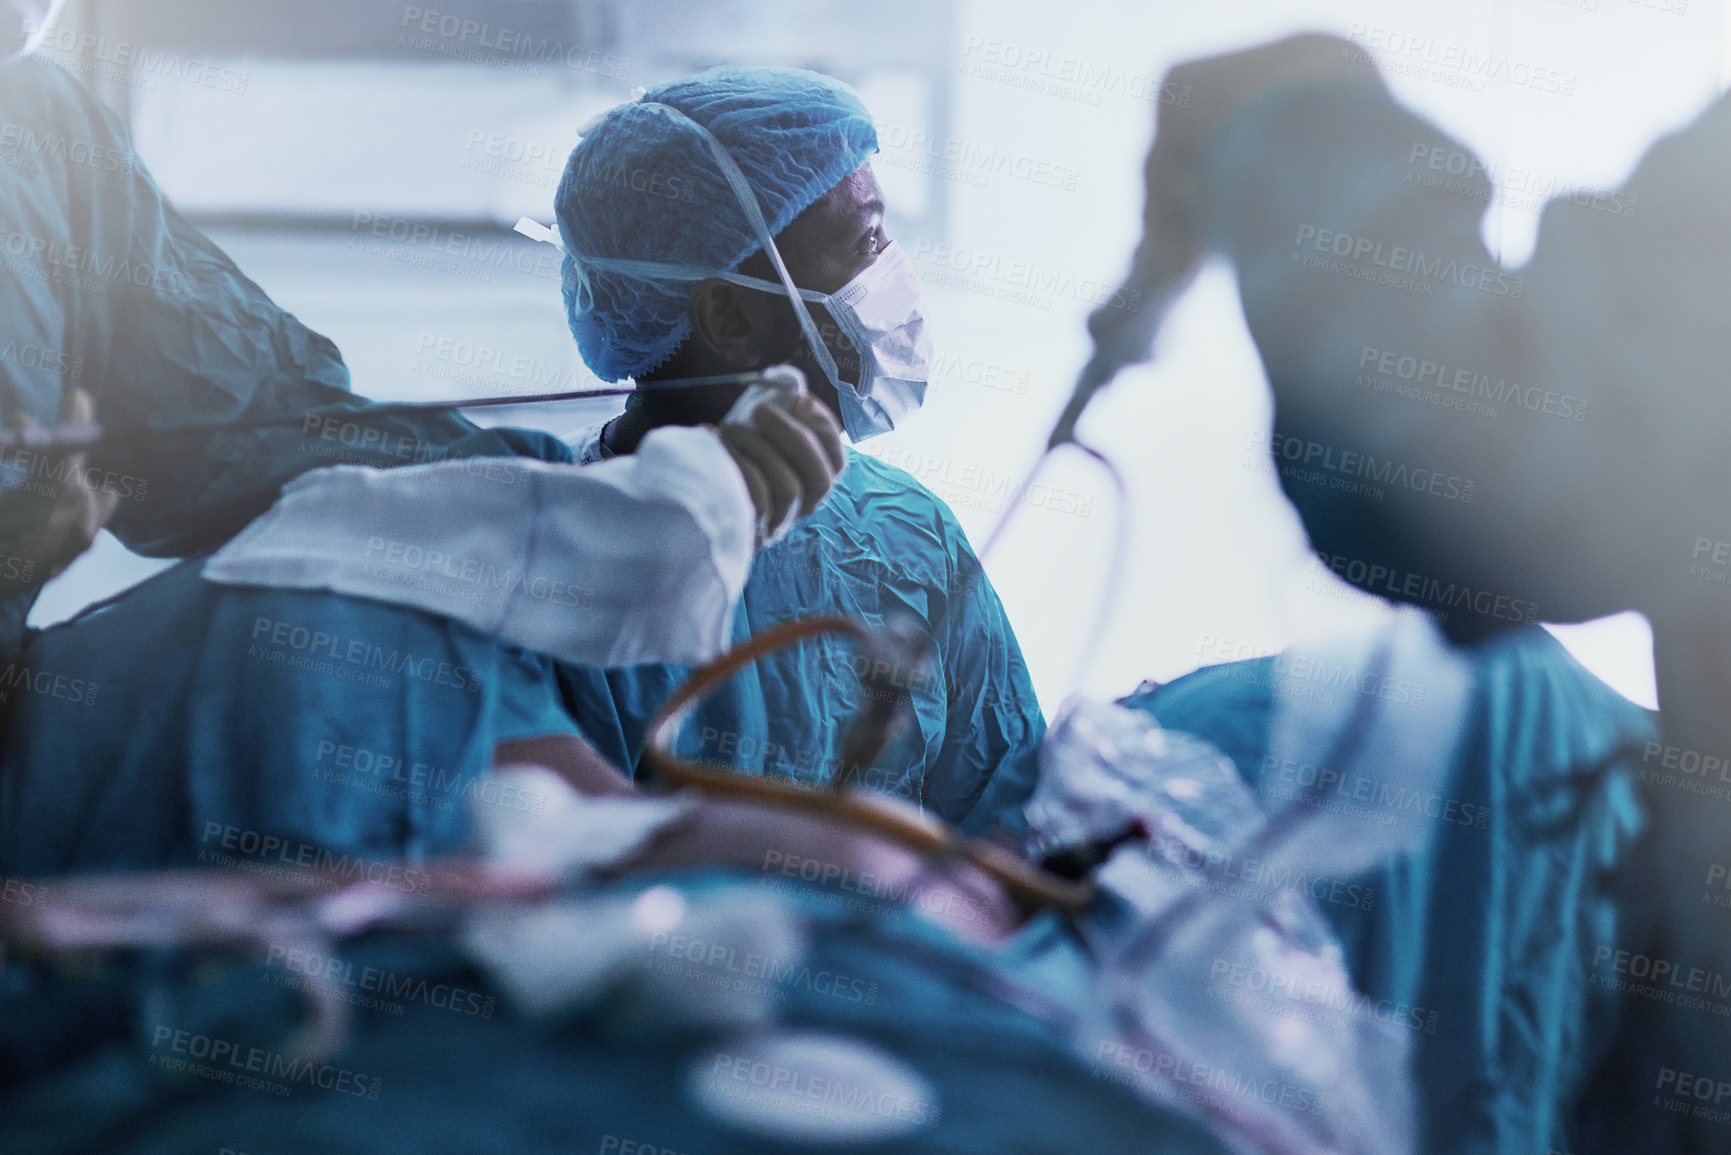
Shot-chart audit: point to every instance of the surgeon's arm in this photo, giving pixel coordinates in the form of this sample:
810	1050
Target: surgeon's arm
1491	425
1367	289
1583	394
113	288
638	559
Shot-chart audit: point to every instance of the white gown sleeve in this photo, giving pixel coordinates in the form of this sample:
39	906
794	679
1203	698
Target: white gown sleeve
636	559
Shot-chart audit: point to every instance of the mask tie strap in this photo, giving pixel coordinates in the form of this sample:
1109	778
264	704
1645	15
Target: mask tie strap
666	271
539	232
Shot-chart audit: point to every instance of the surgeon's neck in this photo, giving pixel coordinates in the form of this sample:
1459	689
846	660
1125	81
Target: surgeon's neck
650	408
624	433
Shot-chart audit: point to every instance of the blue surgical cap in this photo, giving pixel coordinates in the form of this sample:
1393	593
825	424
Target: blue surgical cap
643	185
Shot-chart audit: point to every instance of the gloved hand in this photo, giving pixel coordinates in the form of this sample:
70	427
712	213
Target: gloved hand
47	523
790	457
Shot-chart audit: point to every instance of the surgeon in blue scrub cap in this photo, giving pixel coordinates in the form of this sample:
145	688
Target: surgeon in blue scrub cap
726	222
667	210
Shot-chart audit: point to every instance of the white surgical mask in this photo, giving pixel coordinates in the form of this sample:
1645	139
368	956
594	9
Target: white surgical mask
881	311
882	314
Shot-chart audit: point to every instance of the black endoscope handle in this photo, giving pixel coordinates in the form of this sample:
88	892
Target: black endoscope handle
1093	377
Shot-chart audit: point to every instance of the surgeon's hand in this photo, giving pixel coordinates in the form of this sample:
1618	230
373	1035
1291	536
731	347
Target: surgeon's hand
48	523
789	457
1206	95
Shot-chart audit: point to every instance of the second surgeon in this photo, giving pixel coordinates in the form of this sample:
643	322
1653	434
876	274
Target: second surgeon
680	279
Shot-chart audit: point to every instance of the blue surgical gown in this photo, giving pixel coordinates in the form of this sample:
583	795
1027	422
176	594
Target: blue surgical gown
187	723
1499	931
881	545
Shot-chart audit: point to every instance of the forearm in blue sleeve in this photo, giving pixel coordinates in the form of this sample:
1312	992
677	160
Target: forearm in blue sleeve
109	290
